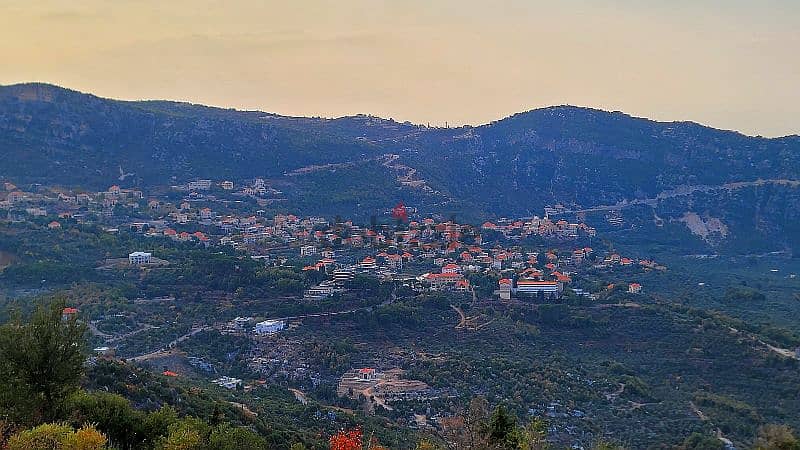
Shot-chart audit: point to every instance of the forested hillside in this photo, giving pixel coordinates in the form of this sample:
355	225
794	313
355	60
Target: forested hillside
578	157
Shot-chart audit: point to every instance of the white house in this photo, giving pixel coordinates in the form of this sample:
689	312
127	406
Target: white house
269	326
199	185
140	257
227	382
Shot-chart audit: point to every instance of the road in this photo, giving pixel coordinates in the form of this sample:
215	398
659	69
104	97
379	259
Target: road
194	331
687	190
172	343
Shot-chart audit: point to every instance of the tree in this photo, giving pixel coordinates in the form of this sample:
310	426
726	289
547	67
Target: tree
502	427
776	437
157	424
426	445
41	363
533	436
605	445
468	430
184	435
347	440
700	441
111	413
57	437
226	437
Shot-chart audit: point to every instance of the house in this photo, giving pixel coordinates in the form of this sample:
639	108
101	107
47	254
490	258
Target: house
36	212
67	313
136	258
54	225
269	326
366	374
15	197
635	288
308	250
227	185
202	185
368	263
505	289
325	289
343	275
206	213
451	268
227	382
441	280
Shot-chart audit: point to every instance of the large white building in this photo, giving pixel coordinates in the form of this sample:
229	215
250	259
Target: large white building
308	250
549	289
269	326
203	185
140	257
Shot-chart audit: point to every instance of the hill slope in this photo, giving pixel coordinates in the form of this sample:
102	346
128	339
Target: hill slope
579	157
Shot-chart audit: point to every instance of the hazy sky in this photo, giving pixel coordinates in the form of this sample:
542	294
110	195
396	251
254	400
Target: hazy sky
731	64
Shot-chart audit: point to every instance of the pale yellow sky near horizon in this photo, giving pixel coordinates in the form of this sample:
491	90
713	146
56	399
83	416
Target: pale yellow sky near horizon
731	64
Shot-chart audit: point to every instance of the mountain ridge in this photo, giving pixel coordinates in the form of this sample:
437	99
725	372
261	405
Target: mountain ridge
565	106
360	165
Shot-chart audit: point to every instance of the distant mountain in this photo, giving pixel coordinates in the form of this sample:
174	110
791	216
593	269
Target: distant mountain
581	158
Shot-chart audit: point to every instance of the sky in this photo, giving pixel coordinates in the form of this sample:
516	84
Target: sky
731	64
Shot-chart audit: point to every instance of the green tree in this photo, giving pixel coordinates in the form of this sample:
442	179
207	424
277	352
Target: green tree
227	437
184	435
700	441
533	436
776	437
111	413
502	429
41	363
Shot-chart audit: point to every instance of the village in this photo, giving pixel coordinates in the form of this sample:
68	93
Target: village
419	253
424	253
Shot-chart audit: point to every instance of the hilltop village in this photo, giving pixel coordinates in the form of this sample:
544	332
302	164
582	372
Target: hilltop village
401	316
424	253
524	261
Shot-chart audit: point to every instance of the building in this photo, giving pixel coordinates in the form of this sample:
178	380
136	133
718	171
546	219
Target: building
548	289
368	263
451	268
202	185
68	313
227	382
505	289
140	258
269	326
634	288
308	250
441	280
366	374
227	185
343	275
325	289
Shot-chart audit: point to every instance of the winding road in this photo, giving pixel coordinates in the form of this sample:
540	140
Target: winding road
685	190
